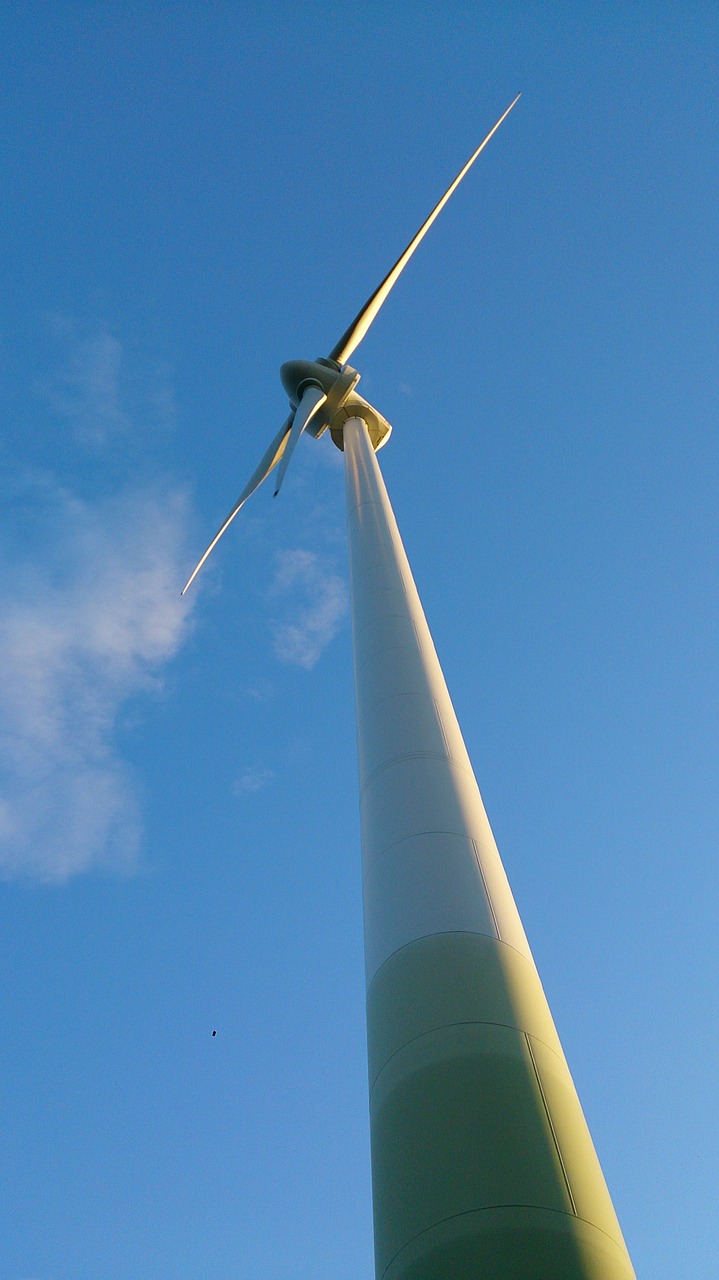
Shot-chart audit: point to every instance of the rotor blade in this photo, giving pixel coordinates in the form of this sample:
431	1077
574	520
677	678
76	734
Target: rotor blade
361	323
269	459
312	399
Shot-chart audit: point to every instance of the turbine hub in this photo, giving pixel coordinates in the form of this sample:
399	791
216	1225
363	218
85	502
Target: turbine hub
338	383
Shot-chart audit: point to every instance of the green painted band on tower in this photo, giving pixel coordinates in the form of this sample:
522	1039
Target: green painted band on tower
510	1243
451	978
473	1109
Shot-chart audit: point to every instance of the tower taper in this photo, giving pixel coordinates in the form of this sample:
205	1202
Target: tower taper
482	1164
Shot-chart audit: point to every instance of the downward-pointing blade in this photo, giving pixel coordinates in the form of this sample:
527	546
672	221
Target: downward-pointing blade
361	323
269	460
312	399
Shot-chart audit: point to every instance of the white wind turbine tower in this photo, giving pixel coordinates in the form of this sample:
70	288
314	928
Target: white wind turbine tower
482	1164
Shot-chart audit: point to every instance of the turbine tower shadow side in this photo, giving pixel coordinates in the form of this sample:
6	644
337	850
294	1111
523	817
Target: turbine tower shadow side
482	1163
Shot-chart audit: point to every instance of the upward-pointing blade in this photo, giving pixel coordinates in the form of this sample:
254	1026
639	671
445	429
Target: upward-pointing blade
361	323
269	460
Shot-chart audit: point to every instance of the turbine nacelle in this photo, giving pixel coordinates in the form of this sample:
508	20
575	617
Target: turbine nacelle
337	383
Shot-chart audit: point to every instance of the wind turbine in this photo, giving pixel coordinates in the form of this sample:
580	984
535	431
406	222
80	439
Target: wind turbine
483	1167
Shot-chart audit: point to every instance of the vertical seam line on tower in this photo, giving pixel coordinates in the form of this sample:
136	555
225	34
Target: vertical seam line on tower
438	714
487	894
551	1124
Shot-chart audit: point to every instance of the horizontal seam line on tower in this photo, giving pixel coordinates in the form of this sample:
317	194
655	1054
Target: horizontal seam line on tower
414	836
400	613
461	835
366	502
470	933
386	589
474	1022
403	693
406	755
409	645
412	755
412	693
378	561
488	1208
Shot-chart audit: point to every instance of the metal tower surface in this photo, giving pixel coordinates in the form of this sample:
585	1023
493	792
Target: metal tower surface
482	1164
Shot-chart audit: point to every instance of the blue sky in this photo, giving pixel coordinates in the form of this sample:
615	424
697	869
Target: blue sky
192	195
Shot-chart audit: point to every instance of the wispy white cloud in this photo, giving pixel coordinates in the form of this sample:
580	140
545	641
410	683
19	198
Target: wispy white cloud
88	620
317	599
260	690
97	390
91	615
252	780
85	387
